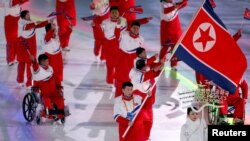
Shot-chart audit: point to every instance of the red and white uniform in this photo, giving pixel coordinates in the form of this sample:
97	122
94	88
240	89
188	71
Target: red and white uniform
44	79
51	47
100	8
150	62
111	44
170	25
66	20
126	55
12	15
27	41
142	83
123	6
121	107
237	101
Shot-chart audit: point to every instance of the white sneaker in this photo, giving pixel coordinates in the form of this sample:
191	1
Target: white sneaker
11	63
102	62
57	122
97	60
66	49
20	85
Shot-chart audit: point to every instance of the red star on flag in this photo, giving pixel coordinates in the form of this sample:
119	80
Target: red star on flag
205	37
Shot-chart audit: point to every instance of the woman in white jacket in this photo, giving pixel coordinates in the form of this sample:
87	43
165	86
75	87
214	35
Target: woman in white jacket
195	129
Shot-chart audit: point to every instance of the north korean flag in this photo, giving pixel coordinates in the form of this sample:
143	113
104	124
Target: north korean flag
209	49
247	14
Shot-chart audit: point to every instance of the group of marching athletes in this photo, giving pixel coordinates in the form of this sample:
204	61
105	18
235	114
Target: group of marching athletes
46	73
117	41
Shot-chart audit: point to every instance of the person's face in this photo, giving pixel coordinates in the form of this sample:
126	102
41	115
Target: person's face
114	14
27	16
143	55
45	62
127	91
135	29
193	116
53	25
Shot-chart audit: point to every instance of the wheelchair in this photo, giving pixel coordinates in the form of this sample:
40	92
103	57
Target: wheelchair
214	115
30	109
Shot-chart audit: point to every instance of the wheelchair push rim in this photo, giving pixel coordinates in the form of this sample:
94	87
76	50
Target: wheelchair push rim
29	107
212	115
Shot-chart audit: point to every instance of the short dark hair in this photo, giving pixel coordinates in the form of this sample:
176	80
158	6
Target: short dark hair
42	57
126	84
135	23
189	109
140	64
24	13
113	8
48	27
139	50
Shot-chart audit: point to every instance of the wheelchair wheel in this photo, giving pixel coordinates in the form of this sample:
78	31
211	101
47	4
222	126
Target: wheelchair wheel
29	107
213	114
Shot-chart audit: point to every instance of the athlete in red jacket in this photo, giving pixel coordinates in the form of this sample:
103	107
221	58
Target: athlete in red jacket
66	19
12	15
51	47
143	79
170	24
125	108
100	9
50	88
124	5
27	46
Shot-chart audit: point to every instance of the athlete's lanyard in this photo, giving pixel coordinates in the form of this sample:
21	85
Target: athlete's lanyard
127	106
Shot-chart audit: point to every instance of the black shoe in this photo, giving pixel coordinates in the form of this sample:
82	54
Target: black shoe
224	123
241	122
38	120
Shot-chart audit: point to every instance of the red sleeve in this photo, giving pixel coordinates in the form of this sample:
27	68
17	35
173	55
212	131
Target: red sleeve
23	1
182	4
29	26
169	9
49	35
142	20
35	65
244	87
141	94
15	2
122	120
149	75
150	61
42	24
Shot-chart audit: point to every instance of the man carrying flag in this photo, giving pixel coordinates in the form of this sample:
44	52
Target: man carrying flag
209	49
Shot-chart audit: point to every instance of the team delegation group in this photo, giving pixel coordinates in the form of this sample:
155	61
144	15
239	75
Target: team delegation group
116	33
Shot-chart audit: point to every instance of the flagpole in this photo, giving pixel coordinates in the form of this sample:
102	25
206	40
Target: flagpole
174	50
242	23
